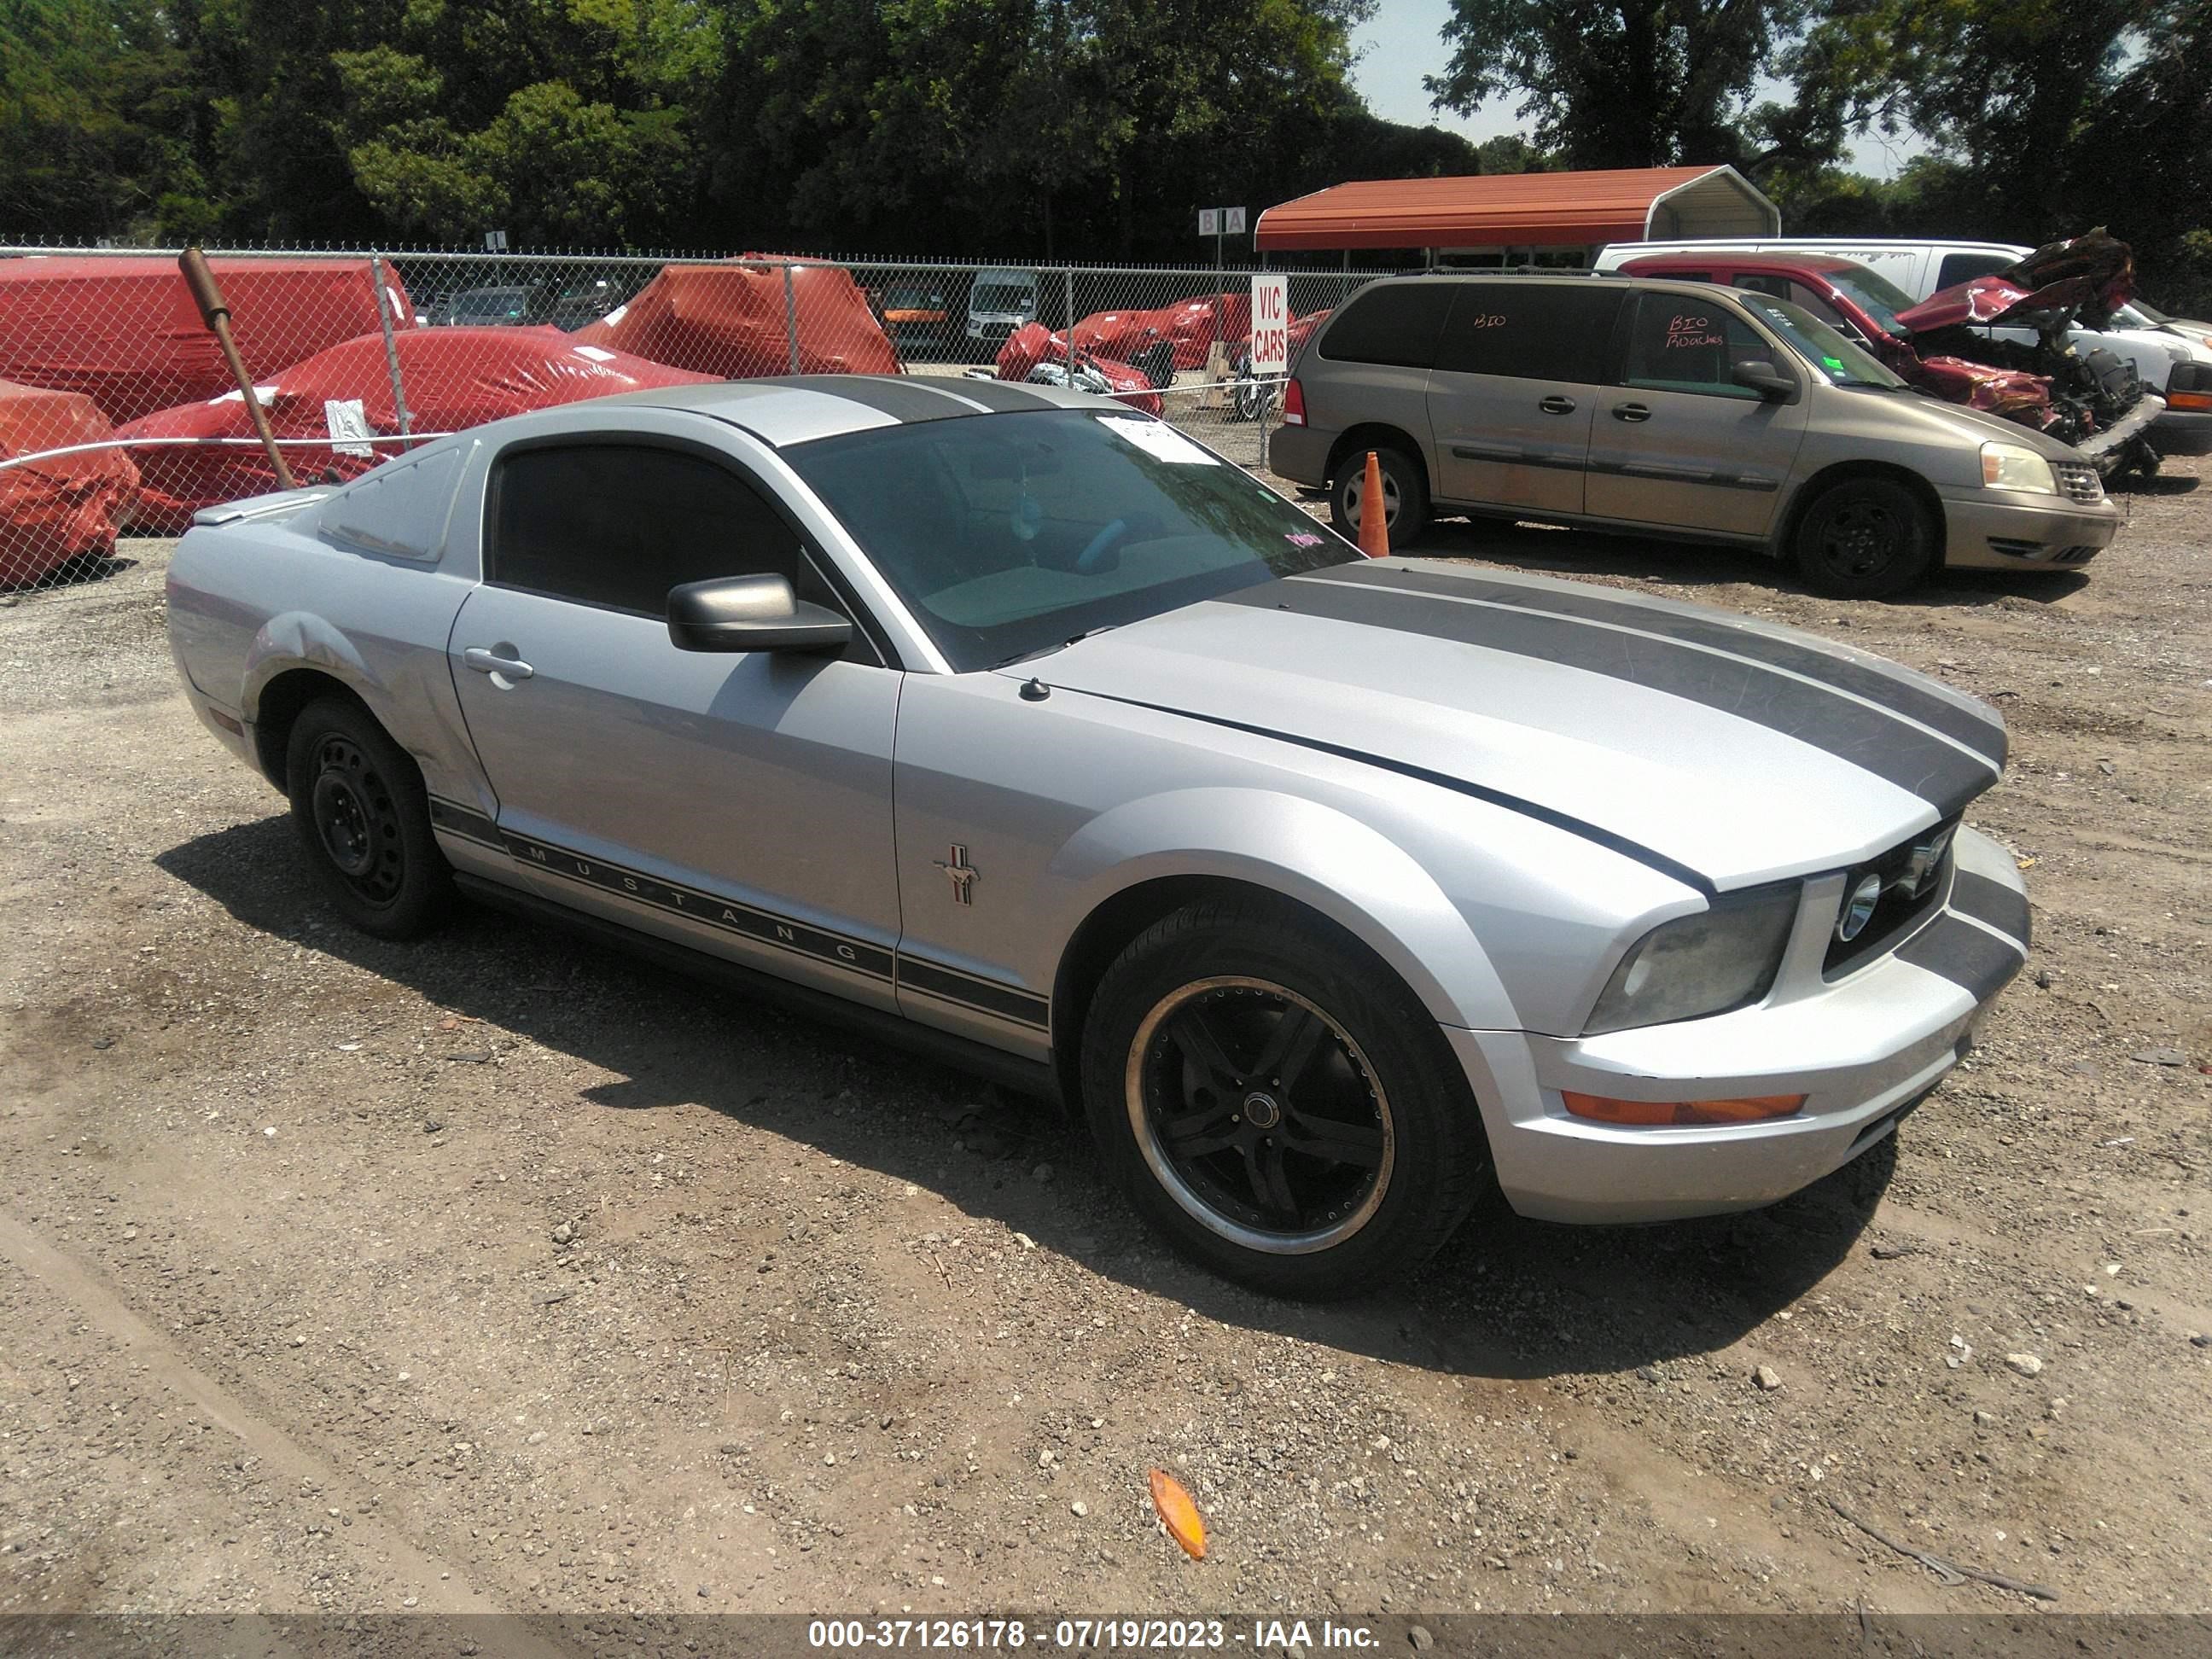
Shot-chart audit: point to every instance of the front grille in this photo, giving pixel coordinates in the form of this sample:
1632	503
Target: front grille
1902	906
2078	482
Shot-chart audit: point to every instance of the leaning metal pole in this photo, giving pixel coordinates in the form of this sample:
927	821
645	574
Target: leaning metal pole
217	315
390	350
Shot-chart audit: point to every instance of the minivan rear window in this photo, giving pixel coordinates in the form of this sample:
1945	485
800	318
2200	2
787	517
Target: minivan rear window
1392	322
1530	331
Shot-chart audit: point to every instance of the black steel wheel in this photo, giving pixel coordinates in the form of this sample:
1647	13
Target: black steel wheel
1865	538
1276	1103
358	804
1404	494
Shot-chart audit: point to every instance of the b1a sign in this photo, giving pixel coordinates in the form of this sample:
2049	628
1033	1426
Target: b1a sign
1270	324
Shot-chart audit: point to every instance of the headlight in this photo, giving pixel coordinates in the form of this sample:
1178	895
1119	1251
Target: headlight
2015	466
1720	959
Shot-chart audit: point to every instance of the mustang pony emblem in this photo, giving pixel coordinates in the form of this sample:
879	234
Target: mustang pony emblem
958	871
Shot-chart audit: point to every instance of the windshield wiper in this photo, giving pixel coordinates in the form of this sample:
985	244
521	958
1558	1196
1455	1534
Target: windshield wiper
1046	650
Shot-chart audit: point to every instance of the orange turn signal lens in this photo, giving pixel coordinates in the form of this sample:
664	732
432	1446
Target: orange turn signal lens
2194	400
1604	1109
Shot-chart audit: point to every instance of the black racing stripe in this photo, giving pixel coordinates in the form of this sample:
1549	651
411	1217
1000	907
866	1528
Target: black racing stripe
1527	808
1025	1006
730	917
1869	738
1985	735
2003	908
903	399
458	820
1000	396
1965	955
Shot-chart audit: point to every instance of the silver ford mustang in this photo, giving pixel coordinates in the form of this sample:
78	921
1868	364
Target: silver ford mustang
1019	724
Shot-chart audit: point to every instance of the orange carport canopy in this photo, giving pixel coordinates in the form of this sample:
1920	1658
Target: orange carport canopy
1523	209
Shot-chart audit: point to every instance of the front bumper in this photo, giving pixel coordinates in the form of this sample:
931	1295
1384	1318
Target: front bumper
1864	1047
1997	529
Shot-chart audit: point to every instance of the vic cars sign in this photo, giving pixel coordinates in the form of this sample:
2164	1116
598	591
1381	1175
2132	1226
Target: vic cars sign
1270	324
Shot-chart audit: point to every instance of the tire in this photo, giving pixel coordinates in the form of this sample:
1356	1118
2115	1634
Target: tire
1865	538
1206	992
1404	494
359	806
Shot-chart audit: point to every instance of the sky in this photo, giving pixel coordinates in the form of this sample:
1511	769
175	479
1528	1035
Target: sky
1405	41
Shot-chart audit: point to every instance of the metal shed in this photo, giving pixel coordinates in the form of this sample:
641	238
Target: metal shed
1537	211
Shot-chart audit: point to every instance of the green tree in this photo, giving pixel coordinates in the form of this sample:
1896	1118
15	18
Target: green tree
1627	83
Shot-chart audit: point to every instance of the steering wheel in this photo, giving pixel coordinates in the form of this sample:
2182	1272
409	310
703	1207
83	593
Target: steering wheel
1093	559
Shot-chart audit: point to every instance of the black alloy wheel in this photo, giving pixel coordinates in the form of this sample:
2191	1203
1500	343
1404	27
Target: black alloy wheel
1259	1115
1276	1103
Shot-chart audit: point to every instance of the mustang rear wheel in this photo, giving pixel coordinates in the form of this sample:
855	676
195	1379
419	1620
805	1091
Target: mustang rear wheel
1280	1109
359	806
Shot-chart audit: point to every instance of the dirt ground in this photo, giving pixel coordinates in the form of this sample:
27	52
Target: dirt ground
290	1325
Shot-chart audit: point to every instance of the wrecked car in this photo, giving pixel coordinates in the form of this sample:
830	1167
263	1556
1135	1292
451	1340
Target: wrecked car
2019	343
1033	355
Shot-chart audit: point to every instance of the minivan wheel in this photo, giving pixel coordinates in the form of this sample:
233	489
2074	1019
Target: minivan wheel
1280	1110
1405	496
1865	538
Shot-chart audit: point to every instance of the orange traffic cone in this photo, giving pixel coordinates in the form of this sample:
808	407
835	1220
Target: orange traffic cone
1374	531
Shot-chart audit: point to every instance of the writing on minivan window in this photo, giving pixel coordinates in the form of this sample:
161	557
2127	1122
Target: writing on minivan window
1690	332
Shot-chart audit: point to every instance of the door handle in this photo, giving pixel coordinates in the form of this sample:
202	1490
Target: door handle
1557	406
490	662
1632	412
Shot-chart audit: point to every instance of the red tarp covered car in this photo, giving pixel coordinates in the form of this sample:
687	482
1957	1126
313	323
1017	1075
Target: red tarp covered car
67	507
453	377
1032	354
1190	326
123	329
730	321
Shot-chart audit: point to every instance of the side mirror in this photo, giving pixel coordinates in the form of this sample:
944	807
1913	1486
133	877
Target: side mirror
1763	377
751	613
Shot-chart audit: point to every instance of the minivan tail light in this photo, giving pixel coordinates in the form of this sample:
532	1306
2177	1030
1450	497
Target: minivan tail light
1294	405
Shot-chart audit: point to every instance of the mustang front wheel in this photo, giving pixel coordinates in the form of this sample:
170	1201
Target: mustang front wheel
358	803
1284	1113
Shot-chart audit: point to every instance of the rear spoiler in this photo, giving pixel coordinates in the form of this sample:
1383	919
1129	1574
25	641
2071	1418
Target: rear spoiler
276	504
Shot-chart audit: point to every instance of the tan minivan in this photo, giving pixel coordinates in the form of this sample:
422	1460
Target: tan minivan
1674	409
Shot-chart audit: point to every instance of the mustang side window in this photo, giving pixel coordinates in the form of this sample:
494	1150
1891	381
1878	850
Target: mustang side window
619	524
1682	342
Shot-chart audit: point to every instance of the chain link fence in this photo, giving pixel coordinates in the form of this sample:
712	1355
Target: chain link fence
119	417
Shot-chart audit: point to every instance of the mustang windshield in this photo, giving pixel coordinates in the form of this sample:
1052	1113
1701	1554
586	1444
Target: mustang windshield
1010	534
1844	363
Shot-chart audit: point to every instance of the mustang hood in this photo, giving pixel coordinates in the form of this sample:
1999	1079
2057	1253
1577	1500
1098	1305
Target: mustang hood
1728	752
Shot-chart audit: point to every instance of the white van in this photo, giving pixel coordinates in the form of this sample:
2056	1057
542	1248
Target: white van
1000	300
1924	268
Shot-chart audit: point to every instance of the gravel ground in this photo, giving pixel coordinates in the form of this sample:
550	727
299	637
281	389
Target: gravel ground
497	1272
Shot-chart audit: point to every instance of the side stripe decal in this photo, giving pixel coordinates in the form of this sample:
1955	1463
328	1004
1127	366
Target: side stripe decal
746	921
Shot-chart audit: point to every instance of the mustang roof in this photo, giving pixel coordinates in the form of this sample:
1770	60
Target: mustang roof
796	408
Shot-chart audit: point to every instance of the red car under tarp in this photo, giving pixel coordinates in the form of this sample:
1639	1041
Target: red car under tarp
1032	352
66	508
730	321
122	330
453	377
1190	326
